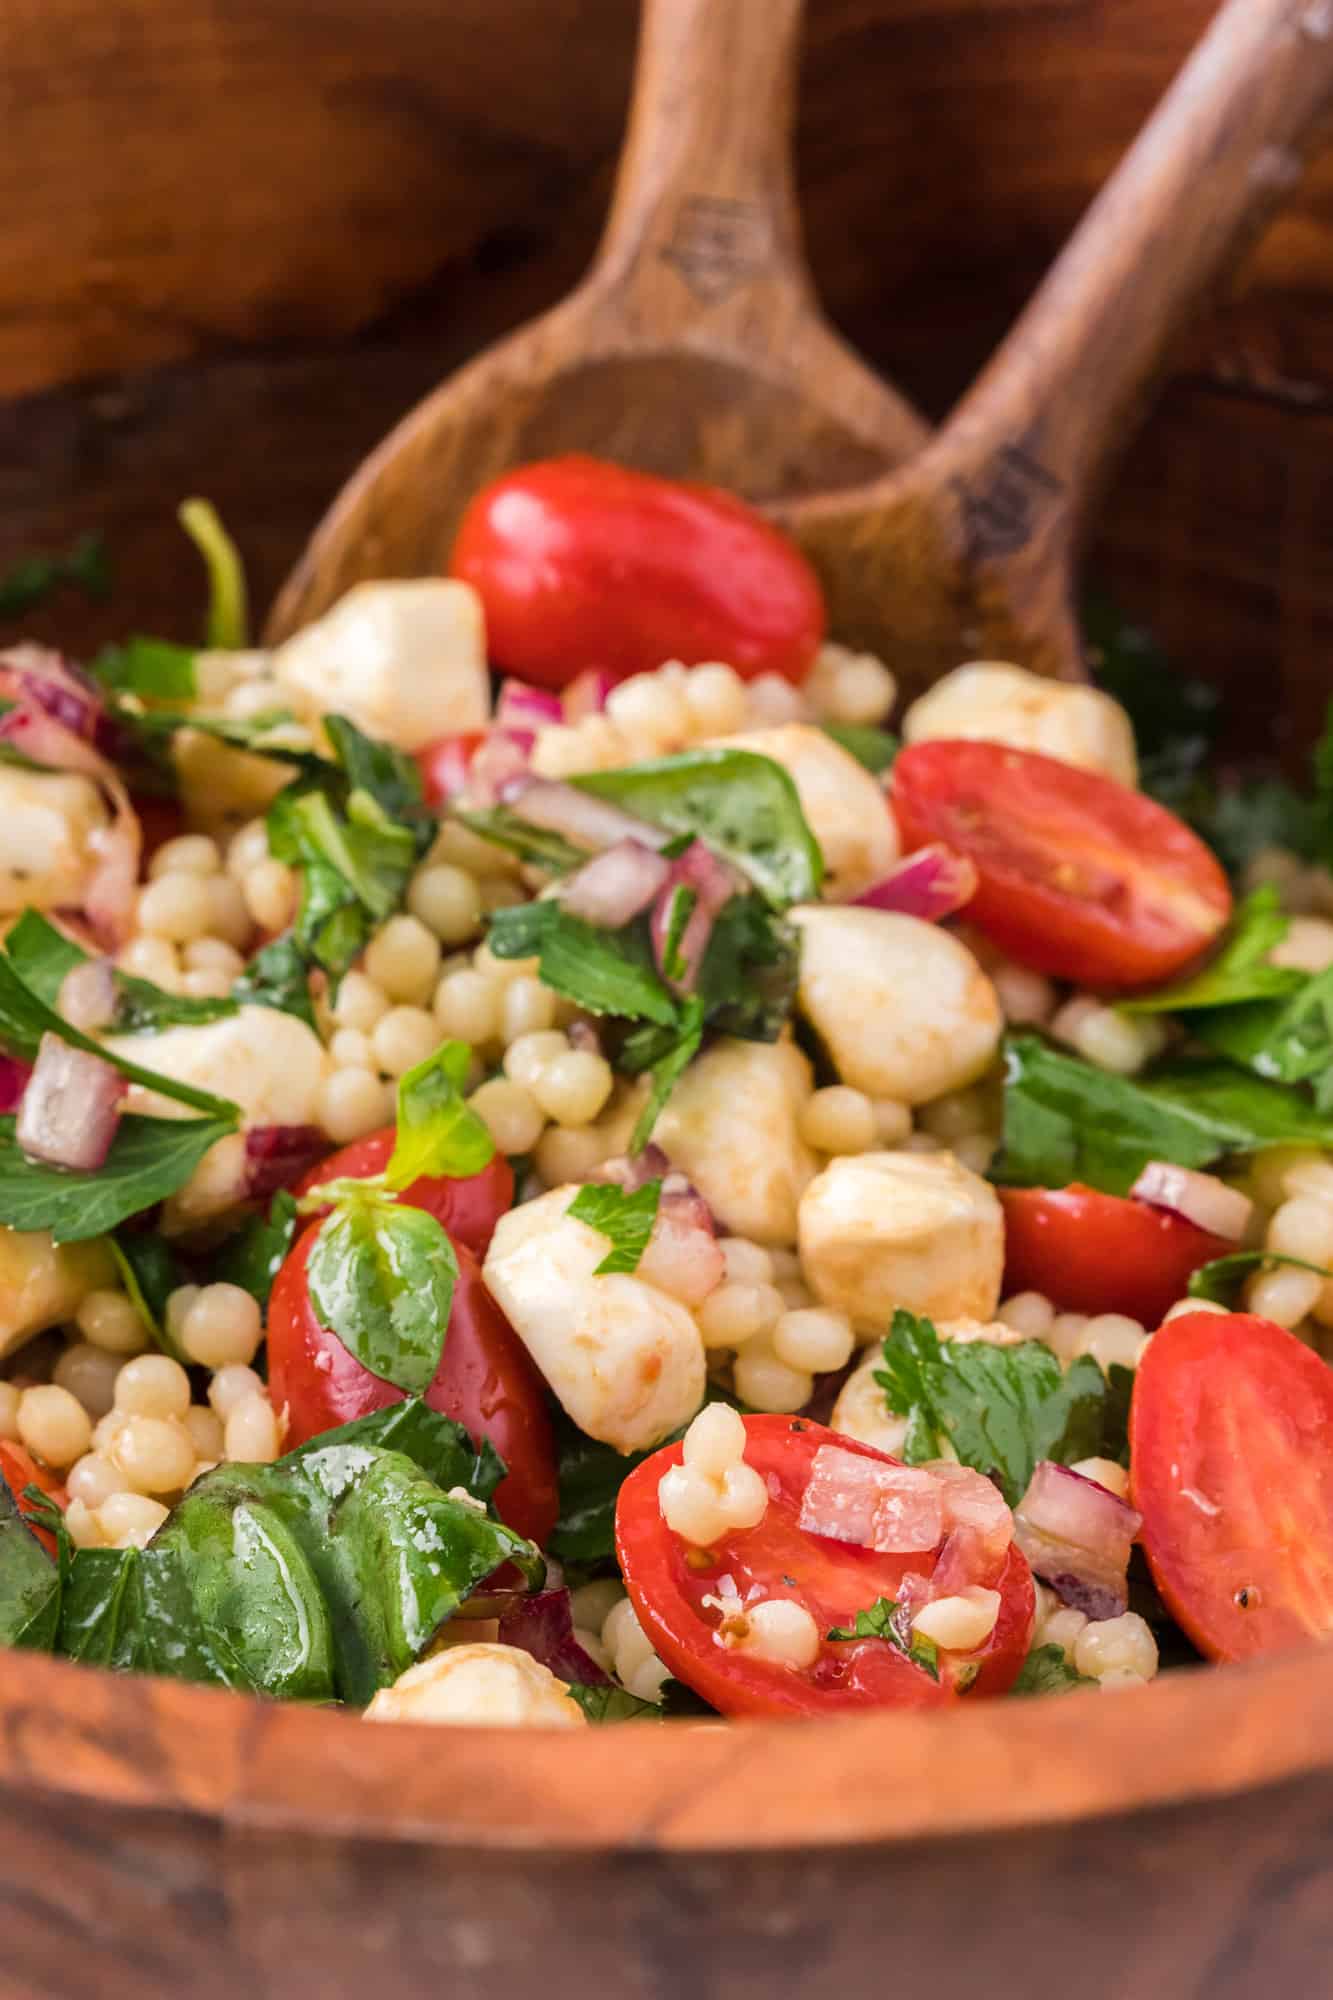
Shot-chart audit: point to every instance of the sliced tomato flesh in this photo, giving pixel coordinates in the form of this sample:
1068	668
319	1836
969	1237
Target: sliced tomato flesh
674	1588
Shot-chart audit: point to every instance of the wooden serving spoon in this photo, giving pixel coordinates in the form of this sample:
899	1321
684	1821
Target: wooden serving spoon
694	346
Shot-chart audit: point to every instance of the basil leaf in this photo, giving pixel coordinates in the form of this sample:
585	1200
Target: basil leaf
885	1620
278	977
151	669
29	1582
150	1274
437	1132
150	1158
32	579
43	957
747	982
591	1476
382	1276
1288	1042
253	1257
438	1446
1002	1409
228	626
672	1053
626	1221
1221	1279
604	972
875	748
742	805
385	774
609	1703
503	826
1047	1671
1240	970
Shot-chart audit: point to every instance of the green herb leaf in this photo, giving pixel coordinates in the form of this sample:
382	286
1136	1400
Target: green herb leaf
382	1276
673	1052
253	1256
1239	971
604	972
1047	1671
150	669
1002	1409
228	626
613	1704
875	748
442	1449
742	805
679	911
385	774
438	1133
150	1274
1286	1042
29	1582
747	982
626	1221
502	826
278	977
32	579
43	957
591	1476
1222	1279
885	1620
150	1158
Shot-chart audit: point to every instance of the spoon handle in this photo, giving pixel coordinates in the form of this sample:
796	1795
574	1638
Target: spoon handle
1035	434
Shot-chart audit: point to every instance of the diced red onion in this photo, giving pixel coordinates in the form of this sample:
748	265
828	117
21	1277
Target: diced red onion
276	1156
39	675
683	1256
498	762
523	707
87	997
1201	1199
583	1034
587	693
713	884
543	1625
894	1509
14	1077
933	883
1077	1536
615	885
69	1110
979	1529
651	1164
585	821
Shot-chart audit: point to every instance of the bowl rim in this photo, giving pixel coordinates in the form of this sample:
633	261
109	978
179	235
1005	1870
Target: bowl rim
102	1739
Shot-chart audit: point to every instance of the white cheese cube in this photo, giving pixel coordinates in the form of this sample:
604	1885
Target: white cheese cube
992	702
731	1125
50	826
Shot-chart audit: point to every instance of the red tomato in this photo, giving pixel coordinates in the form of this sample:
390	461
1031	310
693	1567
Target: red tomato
19	1468
582	563
486	1381
1079	876
1231	1465
160	820
467	1208
444	765
1097	1253
834	1580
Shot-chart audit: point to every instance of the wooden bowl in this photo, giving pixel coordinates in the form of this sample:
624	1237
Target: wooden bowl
234	251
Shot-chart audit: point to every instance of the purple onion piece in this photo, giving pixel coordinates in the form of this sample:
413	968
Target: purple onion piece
1077	1537
1094	1600
932	884
88	997
276	1156
587	694
543	1625
584	820
713	883
521	706
610	890
69	1111
14	1076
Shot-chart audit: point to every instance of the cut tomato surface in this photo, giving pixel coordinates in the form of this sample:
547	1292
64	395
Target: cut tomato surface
1231	1456
1078	876
671	1585
1098	1253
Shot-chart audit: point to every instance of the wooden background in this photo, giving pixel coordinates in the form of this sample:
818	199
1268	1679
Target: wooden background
239	237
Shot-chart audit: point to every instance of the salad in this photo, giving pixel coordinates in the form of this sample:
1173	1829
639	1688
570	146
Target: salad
562	1161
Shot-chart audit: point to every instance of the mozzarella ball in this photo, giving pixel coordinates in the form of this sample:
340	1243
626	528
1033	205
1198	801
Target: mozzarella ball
732	1126
902	1007
51	823
916	1230
494	1685
861	1410
844	805
268	1062
626	1361
405	661
43	1283
992	702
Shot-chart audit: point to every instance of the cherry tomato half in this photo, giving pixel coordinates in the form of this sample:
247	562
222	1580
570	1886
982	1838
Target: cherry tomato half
583	563
486	1381
445	763
1231	1467
467	1208
1079	876
19	1468
1096	1253
833	1580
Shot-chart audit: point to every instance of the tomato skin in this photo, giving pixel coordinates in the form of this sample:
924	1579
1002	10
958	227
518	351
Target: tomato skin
583	563
1231	1467
486	1381
467	1207
833	1579
1080	877
444	765
19	1468
1097	1253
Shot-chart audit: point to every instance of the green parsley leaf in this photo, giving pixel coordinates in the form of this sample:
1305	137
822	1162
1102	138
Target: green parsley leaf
29	1582
438	1133
1221	1279
673	1052
382	1276
604	972
150	1274
626	1221
1047	1671
875	748
503	826
1001	1409
32	579
385	774
679	911
278	977
43	958
228	626
151	669
885	1620
1238	972
1285	1041
150	1158
253	1256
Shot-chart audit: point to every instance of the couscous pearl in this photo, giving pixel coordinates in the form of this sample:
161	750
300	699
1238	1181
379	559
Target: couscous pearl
525	1007
959	1623
130	1520
1025	997
506	970
1310	1177
715	1440
403	958
1303	1227
360	1003
178	1304
1113	1041
1065	1334
405	1037
575	1087
153	1385
231	1387
1062	1628
9	1412
111	1320
591	1603
499	892
175	907
782	1631
188	854
206	984
467	1007
93	1479
1106	1473
54	1425
462	848
222	1327
249	845
956	1116
211	954
511	1115
1116	1644
893	1122
976	1152
737	1311
446	900
1027	1313
646	1681
648	706
815	1341
155	1454
747	1263
771	700
353	1102
206	1432
89	1373
228	914
715	696
84	1525
625	1639
252	1432
767	1383
151	958
568	1153
351	1049
270	893
1284	1296
1184	1307
525	1059
838	1120
1113	1340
